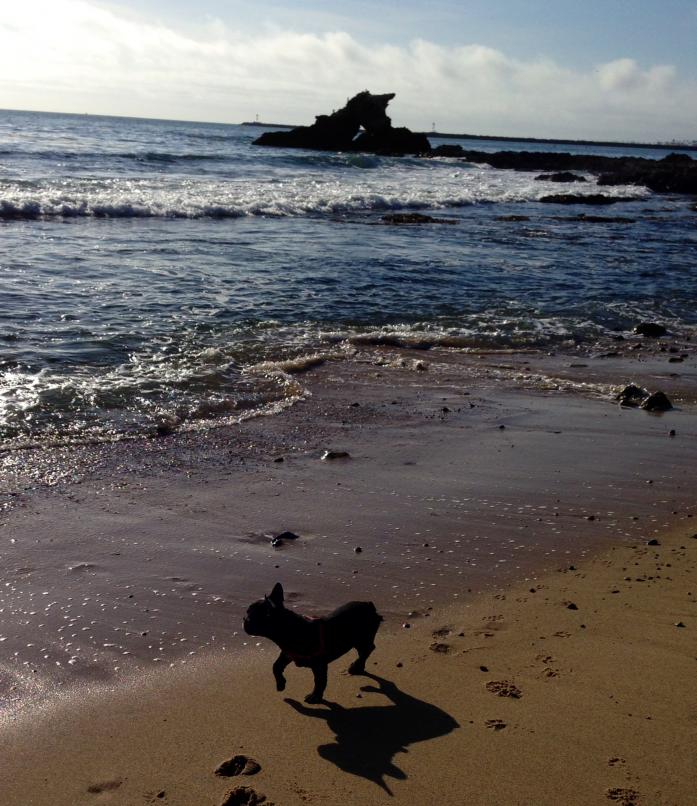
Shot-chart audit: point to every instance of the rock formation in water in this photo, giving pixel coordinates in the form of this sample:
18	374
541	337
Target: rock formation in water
675	173
361	125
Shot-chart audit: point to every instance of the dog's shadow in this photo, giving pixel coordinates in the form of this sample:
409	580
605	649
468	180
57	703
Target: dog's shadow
367	738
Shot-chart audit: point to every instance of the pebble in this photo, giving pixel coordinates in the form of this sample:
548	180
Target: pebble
358	550
287	536
329	455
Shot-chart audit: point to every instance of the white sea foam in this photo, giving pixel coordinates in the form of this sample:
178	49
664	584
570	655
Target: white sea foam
436	184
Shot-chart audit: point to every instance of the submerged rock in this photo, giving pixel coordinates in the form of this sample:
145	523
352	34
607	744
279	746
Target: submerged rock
361	125
561	176
415	218
598	219
576	198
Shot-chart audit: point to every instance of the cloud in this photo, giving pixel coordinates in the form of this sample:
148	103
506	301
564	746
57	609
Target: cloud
627	75
82	55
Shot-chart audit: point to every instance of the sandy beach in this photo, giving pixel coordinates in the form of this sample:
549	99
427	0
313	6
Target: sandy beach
503	507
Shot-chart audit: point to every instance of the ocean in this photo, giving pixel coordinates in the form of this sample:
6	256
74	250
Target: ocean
160	274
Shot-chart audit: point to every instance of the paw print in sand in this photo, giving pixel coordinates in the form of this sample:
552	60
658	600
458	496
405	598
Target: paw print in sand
504	688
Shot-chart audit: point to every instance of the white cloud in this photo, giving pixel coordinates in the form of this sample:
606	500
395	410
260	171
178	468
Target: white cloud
85	56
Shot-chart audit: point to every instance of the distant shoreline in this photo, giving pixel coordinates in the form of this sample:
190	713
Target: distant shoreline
553	141
508	139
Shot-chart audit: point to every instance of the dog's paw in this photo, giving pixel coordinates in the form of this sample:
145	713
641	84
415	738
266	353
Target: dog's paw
280	684
313	698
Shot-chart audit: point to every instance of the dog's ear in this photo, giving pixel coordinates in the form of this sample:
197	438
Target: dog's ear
276	597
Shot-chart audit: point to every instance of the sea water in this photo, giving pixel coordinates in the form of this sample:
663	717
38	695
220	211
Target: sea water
158	271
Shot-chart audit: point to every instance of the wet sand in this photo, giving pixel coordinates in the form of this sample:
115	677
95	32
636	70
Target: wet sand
123	585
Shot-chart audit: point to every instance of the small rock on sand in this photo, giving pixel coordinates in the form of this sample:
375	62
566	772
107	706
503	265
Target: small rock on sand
632	395
658	401
287	536
650	329
327	456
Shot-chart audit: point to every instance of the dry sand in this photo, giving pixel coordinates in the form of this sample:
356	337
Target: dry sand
469	532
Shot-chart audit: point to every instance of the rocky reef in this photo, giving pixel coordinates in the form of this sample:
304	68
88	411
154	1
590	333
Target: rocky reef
361	125
675	173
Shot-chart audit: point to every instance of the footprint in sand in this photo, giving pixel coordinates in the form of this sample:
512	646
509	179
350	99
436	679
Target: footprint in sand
504	688
495	724
616	761
245	796
443	649
624	797
103	786
238	765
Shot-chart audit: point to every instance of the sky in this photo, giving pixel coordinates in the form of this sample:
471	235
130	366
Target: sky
603	70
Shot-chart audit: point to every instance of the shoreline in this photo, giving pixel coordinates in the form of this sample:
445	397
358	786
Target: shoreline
458	477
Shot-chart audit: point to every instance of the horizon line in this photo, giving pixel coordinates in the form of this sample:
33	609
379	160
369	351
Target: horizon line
445	135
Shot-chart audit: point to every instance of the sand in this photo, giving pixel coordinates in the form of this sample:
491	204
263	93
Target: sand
543	662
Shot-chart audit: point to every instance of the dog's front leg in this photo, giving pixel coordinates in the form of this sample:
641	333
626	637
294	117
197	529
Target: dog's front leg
278	668
319	670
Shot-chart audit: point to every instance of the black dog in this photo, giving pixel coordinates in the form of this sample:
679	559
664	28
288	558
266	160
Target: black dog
314	642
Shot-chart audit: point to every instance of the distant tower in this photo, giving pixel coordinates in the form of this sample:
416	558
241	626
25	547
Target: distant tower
257	118
433	127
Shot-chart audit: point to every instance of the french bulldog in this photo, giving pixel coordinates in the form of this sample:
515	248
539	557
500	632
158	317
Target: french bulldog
313	642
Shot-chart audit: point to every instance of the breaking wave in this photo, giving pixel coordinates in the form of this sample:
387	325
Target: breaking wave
395	188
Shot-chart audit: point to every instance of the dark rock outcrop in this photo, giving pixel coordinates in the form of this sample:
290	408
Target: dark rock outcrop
675	173
361	125
652	330
448	150
561	176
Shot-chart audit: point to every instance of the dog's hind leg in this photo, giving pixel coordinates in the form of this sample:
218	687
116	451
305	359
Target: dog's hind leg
278	668
319	670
